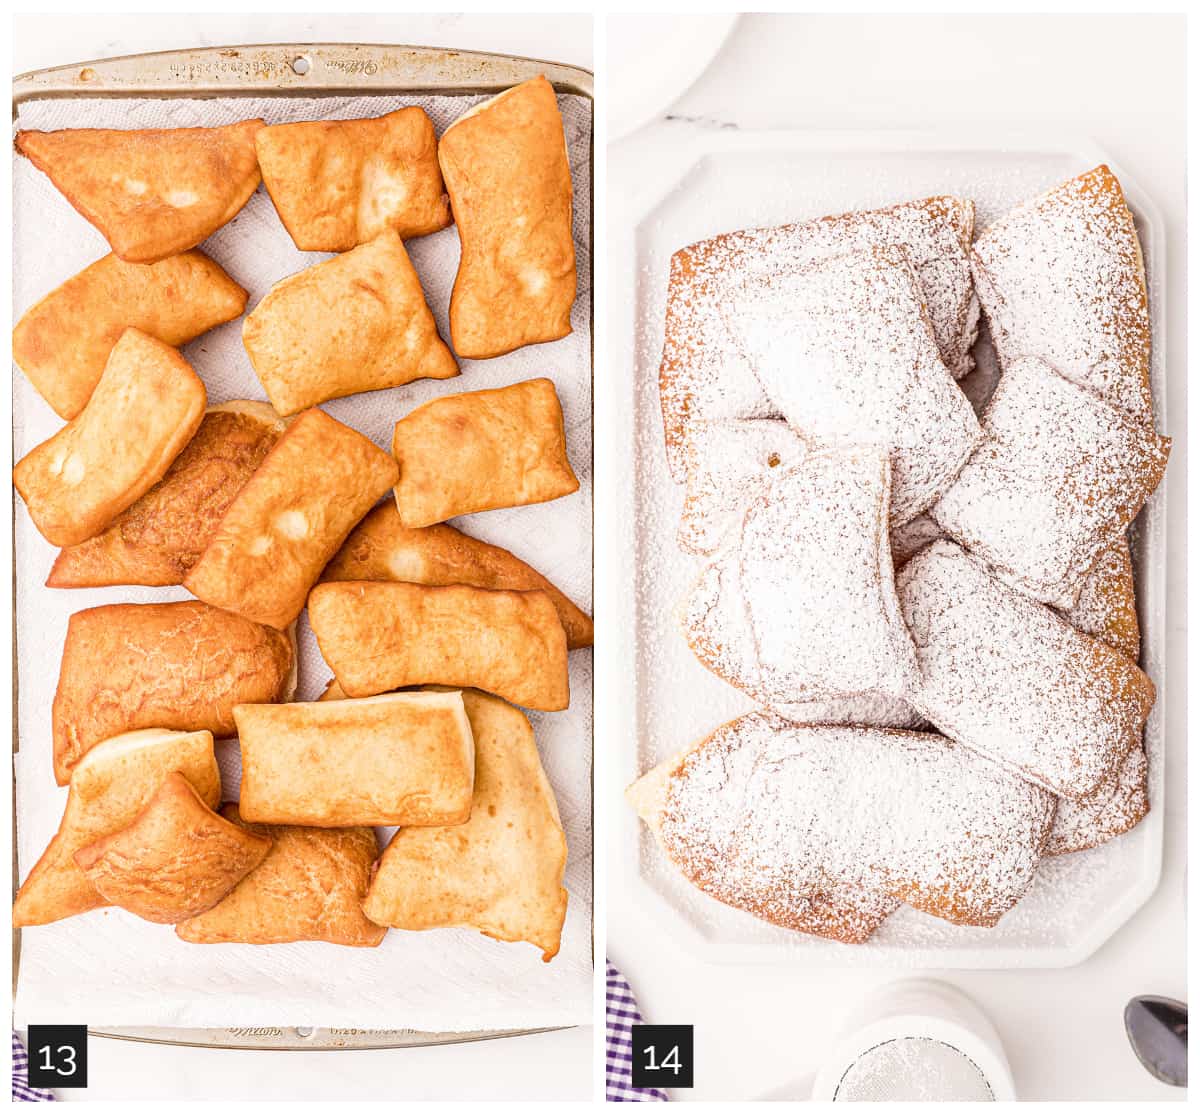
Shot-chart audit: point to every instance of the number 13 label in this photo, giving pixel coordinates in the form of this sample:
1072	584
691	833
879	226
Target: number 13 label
58	1056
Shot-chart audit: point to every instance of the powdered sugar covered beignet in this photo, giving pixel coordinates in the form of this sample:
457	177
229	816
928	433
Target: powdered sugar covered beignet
714	621
846	913
845	350
1062	277
1059	478
1010	678
728	464
1107	607
763	812
1110	811
703	376
816	577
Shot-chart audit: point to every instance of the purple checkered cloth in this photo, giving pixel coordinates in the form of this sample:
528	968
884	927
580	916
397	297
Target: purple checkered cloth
618	1060
22	1092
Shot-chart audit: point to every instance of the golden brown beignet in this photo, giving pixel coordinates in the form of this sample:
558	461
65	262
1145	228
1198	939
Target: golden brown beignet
378	636
500	872
108	789
404	758
505	165
357	322
151	193
310	886
382	548
481	450
62	343
159	538
338	183
174	860
289	519
143	411
181	665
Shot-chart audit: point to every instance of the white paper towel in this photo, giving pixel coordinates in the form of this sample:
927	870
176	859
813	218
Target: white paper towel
108	967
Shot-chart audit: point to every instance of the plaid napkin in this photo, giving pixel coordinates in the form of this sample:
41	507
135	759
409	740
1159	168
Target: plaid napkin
21	1091
622	1014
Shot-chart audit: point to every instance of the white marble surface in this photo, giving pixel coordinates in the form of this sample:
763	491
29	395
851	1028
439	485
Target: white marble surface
546	1066
761	1031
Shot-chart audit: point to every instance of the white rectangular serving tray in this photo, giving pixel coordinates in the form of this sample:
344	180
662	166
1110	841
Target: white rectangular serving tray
703	182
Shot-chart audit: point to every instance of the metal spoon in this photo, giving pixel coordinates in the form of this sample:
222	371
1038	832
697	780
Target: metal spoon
1157	1030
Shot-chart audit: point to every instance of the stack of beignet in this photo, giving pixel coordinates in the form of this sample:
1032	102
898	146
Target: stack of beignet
876	557
263	510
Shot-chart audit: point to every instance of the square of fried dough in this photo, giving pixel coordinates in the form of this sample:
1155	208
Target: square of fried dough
850	914
310	886
175	859
357	322
62	343
339	183
1054	486
288	520
401	758
382	548
161	536
481	450
506	169
500	872
108	789
1061	277
143	411
704	376
151	193
1013	680
377	636
182	665
845	350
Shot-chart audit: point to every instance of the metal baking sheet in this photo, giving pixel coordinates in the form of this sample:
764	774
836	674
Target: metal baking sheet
289	69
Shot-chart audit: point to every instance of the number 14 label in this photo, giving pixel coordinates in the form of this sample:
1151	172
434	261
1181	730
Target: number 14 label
662	1056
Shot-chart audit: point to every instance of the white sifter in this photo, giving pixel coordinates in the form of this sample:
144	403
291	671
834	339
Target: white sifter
916	1041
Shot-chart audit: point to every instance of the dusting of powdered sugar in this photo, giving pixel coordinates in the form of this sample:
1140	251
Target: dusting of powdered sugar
1062	277
1012	679
1107	606
702	375
764	814
1058	479
844	350
728	464
817	582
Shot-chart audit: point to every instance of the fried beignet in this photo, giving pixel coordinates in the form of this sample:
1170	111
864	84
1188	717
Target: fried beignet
108	789
174	860
849	914
506	169
844	349
289	519
501	872
357	322
378	636
481	450
703	375
151	193
403	758
180	665
1010	678
143	411
763	814
382	548
1057	481
1112	810
1107	604
63	342
158	539
339	183
310	886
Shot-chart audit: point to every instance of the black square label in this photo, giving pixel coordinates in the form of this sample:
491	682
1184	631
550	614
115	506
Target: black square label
57	1056
662	1056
